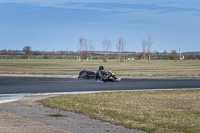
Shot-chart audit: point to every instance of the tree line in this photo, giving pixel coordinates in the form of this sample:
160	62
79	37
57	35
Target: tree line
86	51
86	46
95	55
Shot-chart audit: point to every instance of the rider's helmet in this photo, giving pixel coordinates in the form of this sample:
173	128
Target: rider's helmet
101	67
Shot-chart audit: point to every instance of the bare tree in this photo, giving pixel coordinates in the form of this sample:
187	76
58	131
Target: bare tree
174	55
91	47
82	46
106	47
190	56
121	47
146	45
85	47
164	54
149	44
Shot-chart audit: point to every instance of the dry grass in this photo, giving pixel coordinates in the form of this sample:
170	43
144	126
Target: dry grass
152	111
128	68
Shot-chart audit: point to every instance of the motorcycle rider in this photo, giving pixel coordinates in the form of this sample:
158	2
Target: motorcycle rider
106	76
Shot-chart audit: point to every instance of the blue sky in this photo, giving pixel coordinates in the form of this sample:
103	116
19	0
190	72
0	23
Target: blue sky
57	24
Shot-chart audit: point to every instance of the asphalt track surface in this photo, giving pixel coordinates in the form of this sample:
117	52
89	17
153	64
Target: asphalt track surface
15	85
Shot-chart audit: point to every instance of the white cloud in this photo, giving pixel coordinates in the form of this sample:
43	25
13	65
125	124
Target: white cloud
163	6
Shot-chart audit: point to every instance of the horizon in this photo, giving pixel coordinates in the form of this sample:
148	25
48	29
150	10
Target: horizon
101	51
56	25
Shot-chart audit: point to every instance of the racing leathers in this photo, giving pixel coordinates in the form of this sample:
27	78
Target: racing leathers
105	76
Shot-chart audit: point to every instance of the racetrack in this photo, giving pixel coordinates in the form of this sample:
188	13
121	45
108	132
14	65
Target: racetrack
15	85
13	88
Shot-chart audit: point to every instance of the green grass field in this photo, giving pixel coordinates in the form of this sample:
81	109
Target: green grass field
128	68
151	111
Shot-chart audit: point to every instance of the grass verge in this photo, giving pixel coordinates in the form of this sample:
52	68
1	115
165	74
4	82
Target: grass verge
127	68
152	111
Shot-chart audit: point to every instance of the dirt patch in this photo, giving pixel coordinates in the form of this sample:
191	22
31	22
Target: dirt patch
57	115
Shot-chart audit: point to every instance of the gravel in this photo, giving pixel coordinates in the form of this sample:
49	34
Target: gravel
76	123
